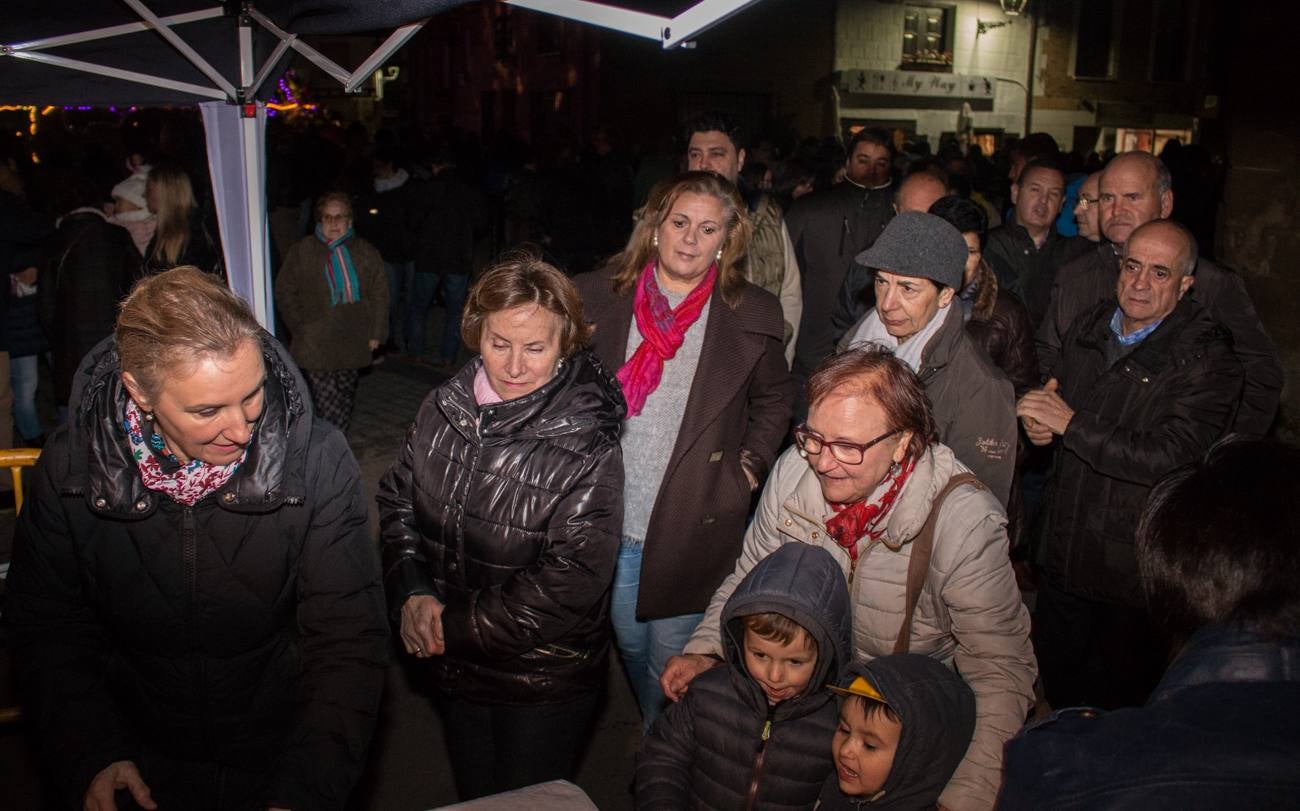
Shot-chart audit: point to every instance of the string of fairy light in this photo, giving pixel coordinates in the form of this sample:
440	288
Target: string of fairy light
286	102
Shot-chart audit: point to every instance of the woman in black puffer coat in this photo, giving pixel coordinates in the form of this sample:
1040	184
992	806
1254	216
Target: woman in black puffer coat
501	522
194	604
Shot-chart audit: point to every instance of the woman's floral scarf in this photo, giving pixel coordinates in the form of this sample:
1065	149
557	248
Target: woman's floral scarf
162	472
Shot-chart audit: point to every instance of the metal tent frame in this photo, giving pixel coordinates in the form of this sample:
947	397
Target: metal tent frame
233	112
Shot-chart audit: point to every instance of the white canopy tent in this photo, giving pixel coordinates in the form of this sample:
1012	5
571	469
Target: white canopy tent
233	117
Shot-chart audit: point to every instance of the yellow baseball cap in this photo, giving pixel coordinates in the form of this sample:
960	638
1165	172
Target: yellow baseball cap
859	687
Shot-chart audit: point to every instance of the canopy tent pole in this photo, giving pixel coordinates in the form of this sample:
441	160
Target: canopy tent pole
115	31
671	31
118	73
182	46
390	46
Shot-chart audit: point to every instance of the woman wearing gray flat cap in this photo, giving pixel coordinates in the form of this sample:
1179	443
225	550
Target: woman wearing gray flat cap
918	263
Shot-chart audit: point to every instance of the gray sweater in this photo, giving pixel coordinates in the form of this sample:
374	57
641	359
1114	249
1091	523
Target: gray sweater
649	438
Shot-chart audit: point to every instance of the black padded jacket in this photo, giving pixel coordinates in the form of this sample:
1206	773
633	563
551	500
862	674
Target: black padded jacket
245	631
723	746
510	514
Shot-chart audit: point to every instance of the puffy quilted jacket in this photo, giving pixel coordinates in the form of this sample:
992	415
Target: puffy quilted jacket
969	613
245	631
722	746
510	514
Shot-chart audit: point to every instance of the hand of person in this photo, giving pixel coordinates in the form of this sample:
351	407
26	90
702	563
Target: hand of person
421	629
680	671
373	343
1044	413
27	276
118	775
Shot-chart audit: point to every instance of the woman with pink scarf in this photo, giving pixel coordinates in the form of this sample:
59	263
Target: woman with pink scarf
699	354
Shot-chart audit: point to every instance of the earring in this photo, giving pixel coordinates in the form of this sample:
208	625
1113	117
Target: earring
148	416
895	468
655	240
719	254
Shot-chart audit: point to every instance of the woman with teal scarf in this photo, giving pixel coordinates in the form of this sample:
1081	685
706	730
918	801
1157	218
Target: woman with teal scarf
332	296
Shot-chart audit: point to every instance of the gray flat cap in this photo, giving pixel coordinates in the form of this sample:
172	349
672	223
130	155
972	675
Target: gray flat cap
919	244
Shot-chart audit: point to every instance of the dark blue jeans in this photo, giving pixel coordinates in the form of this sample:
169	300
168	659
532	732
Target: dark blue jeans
423	289
500	747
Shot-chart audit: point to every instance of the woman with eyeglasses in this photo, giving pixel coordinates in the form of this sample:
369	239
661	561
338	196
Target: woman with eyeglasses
867	481
333	296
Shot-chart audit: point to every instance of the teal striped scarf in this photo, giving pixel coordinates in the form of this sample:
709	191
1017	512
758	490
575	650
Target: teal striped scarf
339	273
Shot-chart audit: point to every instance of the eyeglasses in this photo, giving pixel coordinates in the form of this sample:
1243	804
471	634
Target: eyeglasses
849	453
330	219
1085	201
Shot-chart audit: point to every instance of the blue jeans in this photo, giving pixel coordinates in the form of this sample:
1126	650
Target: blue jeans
423	289
399	278
24	372
644	645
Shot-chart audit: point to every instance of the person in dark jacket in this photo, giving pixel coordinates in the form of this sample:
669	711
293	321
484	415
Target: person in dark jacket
387	218
27	343
828	228
333	297
1219	563
500	523
88	267
1140	389
181	237
1027	251
699	354
21	228
753	734
919	264
450	214
194	605
905	724
1136	189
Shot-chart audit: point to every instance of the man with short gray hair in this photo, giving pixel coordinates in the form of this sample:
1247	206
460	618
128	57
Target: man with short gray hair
1144	382
1136	189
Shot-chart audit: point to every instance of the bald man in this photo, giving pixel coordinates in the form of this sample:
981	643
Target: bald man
1146	381
1136	188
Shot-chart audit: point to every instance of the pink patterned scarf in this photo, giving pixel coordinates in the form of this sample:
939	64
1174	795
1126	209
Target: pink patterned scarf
162	472
662	330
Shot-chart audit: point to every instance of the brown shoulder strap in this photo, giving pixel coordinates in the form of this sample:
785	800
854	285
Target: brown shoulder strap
922	548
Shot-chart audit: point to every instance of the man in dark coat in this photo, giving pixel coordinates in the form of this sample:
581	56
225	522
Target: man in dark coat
1139	389
1026	251
1217	552
1136	189
828	229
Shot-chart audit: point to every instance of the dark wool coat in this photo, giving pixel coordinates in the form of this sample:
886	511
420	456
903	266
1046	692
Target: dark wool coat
246	631
723	746
88	267
827	230
324	337
1001	328
510	515
740	400
1157	408
1091	279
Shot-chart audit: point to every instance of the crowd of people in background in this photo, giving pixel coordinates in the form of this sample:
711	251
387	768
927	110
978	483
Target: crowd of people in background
801	433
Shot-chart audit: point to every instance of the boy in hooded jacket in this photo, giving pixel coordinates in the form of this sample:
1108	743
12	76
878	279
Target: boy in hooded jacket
905	723
753	734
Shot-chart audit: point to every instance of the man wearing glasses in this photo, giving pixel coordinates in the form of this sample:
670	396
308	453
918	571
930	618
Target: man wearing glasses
1087	212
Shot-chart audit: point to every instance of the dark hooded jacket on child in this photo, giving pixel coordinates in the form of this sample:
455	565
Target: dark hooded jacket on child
722	746
936	710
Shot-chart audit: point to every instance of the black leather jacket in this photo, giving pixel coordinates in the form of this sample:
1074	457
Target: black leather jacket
510	514
245	631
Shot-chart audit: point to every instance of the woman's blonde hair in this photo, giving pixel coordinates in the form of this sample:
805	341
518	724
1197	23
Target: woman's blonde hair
523	278
176	203
176	317
736	226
